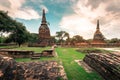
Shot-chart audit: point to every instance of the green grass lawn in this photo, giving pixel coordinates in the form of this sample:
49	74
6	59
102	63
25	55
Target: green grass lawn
73	70
35	49
67	56
7	47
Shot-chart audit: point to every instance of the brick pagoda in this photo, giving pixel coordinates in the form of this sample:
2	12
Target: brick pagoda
98	38
44	32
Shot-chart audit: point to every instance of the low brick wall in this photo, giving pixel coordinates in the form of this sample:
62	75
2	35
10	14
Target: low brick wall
107	65
7	44
48	53
27	54
16	53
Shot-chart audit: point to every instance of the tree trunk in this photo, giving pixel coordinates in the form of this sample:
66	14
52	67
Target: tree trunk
1	34
19	44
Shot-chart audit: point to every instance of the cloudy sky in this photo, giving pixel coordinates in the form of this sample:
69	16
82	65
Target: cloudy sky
78	17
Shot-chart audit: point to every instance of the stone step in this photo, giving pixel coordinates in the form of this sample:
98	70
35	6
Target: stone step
35	55
32	58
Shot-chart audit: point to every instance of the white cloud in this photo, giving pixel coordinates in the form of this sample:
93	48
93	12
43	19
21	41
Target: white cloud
83	21
16	10
77	25
27	14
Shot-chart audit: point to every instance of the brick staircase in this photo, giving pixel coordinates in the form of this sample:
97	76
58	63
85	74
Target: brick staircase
36	56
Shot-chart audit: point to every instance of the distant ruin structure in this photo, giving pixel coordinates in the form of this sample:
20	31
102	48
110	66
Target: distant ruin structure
44	37
98	38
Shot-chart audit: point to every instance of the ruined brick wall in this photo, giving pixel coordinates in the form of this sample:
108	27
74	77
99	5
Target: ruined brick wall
107	65
10	70
46	70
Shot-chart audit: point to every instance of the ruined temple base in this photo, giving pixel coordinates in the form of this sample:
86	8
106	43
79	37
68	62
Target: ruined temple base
106	64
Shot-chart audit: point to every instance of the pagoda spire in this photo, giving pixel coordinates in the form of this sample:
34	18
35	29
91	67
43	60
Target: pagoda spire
43	17
98	25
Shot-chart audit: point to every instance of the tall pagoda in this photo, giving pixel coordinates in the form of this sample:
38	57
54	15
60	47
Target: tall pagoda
44	32
98	37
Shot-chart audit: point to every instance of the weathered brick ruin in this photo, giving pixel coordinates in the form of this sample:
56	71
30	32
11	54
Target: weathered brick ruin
16	53
12	70
48	53
27	54
47	70
107	65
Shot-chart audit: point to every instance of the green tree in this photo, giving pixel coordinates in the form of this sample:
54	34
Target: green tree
114	40
53	40
89	40
33	37
19	34
2	39
62	36
78	38
6	22
67	38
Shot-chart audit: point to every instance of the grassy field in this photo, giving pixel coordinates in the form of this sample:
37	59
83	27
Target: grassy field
73	70
35	49
67	56
7	47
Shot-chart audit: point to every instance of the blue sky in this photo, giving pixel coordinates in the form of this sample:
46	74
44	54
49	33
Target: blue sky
78	17
54	13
